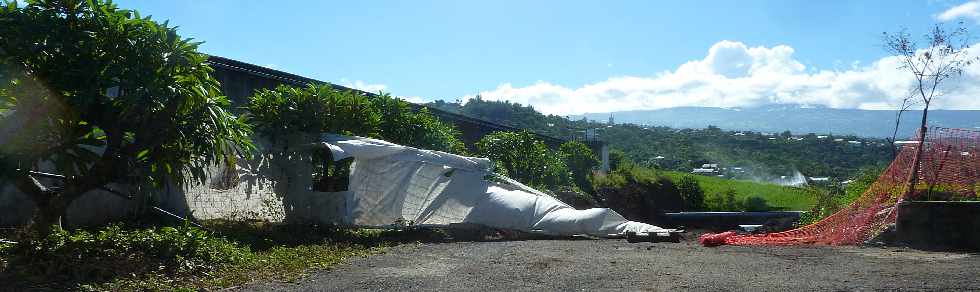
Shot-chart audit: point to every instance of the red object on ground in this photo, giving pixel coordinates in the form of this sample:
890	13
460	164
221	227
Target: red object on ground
711	239
949	170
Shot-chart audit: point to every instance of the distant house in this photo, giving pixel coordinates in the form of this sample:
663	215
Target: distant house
821	137
705	171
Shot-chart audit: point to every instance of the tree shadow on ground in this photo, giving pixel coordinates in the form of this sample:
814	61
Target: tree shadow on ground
260	236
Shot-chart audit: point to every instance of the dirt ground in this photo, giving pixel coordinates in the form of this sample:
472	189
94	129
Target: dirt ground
614	264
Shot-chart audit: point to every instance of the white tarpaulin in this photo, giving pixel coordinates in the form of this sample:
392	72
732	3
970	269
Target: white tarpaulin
391	183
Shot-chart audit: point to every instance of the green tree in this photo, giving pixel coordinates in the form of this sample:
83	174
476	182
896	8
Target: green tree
731	204
421	129
306	112
96	95
581	161
617	159
942	57
723	201
525	158
755	204
692	193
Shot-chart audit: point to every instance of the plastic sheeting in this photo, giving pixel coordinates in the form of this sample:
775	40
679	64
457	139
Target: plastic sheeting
393	184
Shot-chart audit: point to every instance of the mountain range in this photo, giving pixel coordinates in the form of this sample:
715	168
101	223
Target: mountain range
797	119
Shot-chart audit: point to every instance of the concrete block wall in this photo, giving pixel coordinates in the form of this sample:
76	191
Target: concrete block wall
939	225
267	188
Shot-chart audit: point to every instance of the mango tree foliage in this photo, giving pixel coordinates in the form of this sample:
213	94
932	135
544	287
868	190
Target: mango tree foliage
99	95
525	158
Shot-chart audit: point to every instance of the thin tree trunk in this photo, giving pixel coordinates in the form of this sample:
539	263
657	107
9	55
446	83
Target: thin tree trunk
917	160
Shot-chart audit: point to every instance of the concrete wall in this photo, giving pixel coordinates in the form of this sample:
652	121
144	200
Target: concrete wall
17	209
939	225
265	188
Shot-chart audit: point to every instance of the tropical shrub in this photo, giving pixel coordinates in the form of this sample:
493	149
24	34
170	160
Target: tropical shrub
420	129
755	204
100	94
581	161
525	158
117	251
288	111
832	198
692	193
724	201
306	112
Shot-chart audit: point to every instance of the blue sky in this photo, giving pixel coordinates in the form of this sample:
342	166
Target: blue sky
568	57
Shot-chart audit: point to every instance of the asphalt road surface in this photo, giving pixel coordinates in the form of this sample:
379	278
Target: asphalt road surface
590	265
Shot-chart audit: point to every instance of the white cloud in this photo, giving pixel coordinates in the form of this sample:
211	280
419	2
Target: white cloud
970	10
361	85
735	75
376	88
413	99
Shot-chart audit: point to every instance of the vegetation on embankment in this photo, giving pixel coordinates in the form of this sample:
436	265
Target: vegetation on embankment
639	191
777	197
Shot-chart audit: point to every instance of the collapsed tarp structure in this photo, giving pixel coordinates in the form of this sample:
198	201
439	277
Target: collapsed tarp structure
392	183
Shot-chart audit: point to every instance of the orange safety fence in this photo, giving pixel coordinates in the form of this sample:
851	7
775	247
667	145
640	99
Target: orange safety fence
949	170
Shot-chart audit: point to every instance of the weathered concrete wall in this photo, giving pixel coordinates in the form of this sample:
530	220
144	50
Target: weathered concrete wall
265	188
17	209
939	225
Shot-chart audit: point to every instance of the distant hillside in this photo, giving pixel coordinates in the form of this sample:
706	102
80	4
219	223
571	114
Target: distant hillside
757	156
794	118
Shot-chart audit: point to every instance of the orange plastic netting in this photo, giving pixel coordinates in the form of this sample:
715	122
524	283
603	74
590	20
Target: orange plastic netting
949	170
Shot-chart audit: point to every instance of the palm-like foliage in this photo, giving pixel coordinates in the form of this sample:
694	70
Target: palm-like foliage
104	95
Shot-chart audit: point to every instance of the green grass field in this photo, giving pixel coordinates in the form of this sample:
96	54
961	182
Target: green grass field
779	197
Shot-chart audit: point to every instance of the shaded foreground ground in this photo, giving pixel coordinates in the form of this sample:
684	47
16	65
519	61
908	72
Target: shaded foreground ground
617	265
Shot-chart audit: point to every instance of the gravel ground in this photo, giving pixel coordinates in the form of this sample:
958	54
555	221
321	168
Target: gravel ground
589	265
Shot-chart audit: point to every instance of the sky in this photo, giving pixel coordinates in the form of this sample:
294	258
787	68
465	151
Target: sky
573	57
